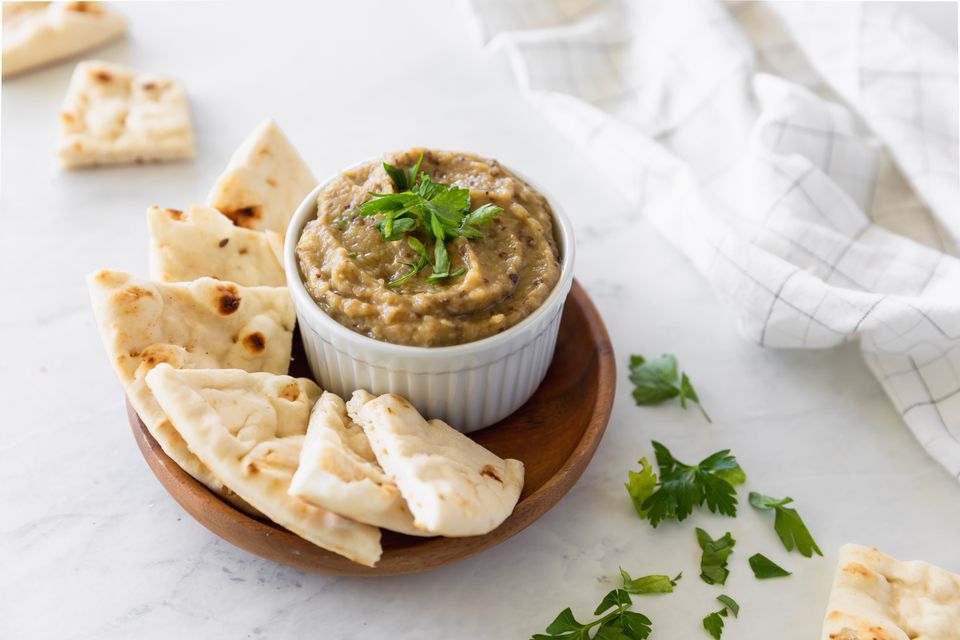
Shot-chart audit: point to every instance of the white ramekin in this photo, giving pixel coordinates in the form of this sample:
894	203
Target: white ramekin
471	385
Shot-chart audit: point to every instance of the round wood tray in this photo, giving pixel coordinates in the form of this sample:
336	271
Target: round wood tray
555	434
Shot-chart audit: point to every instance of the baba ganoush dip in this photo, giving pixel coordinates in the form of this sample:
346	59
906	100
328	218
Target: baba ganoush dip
348	267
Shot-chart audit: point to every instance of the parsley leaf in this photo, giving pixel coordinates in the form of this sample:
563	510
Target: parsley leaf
442	211
713	563
640	485
730	604
403	179
648	584
788	524
683	487
618	624
658	380
713	623
763	567
415	267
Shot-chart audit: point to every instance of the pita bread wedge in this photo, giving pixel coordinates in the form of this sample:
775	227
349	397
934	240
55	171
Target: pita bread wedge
201	242
264	183
248	428
452	485
876	597
206	323
339	472
37	33
115	115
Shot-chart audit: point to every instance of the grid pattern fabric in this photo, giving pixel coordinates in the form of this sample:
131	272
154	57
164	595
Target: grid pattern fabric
804	156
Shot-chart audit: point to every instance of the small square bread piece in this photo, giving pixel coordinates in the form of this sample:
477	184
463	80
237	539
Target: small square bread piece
201	242
115	115
37	33
264	183
876	597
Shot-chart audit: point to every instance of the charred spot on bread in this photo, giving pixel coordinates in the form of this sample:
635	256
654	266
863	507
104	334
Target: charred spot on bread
255	342
228	299
491	472
857	569
223	243
127	299
290	391
245	216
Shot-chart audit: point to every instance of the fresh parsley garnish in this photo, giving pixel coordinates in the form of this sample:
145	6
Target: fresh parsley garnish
658	380
713	623
648	584
787	523
415	267
441	211
640	485
713	563
682	487
763	567
618	624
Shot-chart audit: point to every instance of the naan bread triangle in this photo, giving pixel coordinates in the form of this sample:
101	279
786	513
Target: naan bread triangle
339	472
115	115
36	33
452	485
185	246
264	183
875	596
206	323
248	428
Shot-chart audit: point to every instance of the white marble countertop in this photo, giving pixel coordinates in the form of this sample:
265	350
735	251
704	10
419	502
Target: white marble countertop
91	546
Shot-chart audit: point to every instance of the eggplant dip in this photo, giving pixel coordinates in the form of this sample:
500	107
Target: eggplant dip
429	248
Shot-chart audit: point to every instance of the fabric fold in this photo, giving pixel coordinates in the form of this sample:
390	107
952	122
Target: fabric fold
802	155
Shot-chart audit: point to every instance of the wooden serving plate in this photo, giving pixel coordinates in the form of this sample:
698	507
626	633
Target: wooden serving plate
555	434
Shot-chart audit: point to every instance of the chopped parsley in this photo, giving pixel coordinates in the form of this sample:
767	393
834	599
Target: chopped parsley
442	212
682	487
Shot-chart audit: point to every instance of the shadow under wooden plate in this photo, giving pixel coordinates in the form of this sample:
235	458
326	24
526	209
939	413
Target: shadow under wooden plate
555	434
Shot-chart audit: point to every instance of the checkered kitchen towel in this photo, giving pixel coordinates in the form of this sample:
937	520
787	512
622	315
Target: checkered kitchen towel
803	155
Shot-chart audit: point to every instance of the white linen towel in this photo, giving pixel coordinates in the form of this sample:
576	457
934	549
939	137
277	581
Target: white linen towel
804	157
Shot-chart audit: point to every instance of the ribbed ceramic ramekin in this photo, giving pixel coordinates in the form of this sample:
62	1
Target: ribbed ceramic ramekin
469	386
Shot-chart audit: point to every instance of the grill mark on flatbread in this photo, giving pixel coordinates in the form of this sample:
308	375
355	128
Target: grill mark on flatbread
290	392
490	472
255	342
264	182
228	300
246	217
187	246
